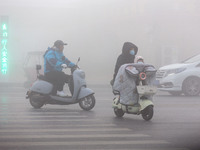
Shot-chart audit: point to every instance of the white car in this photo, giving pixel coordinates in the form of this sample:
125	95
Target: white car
180	78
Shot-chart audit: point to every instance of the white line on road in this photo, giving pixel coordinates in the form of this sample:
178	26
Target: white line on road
71	136
56	125
64	112
42	117
5	120
63	130
148	149
83	143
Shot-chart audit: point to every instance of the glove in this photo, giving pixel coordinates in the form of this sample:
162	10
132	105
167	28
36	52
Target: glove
64	66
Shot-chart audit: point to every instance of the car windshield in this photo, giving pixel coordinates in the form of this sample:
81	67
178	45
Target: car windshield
192	59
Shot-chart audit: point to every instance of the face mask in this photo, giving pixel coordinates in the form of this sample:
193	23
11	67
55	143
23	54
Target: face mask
132	52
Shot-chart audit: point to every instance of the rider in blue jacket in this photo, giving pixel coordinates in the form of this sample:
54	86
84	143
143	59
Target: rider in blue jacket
54	61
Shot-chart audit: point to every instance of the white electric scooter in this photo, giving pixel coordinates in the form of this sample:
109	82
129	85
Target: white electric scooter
144	105
40	92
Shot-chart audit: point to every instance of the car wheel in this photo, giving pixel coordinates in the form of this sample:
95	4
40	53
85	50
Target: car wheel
175	93
191	86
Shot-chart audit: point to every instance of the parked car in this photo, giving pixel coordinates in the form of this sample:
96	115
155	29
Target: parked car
180	78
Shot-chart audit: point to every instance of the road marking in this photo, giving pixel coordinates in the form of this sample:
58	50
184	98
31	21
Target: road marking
71	136
63	130
5	120
148	149
83	143
64	112
16	96
57	125
42	117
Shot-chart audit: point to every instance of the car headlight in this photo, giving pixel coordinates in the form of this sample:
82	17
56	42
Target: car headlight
174	71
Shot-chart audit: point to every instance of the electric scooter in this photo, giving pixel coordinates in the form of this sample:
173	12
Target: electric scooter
40	92
143	106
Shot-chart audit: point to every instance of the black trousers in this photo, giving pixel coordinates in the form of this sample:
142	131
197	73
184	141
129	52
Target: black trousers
58	79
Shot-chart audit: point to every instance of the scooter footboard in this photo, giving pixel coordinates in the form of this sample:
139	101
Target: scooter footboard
145	103
85	92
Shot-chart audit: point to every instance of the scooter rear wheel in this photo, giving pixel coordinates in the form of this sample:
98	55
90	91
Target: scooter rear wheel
87	103
118	112
147	113
35	101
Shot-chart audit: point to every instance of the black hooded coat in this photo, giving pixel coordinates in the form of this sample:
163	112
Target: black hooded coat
125	57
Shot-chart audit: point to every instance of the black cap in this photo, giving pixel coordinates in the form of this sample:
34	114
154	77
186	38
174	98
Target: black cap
58	43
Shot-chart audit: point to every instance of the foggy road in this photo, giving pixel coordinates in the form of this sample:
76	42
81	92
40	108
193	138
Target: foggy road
175	125
165	32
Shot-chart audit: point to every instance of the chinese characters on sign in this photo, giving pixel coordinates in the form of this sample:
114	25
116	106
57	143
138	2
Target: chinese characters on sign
4	51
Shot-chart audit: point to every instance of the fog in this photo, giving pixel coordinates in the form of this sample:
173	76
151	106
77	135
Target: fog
166	31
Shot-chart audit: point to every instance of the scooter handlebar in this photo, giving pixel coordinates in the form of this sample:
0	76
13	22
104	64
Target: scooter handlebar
74	68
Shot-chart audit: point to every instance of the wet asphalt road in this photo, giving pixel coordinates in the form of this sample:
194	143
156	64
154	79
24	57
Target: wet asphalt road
175	125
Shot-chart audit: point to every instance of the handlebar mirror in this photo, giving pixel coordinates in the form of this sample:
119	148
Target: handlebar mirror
78	60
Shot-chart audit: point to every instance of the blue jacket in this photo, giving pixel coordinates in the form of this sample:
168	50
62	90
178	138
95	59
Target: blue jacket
54	59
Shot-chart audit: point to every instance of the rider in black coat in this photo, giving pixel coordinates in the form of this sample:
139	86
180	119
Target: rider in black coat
129	51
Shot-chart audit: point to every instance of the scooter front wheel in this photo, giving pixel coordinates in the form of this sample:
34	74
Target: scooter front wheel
118	112
147	113
87	103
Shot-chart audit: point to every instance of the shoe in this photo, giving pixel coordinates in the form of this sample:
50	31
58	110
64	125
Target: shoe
61	94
